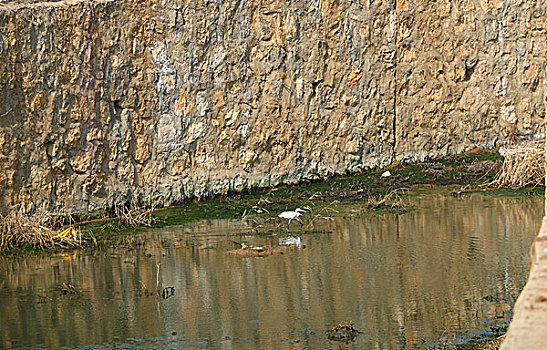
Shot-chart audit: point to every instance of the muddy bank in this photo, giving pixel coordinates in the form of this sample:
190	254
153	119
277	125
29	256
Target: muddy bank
373	189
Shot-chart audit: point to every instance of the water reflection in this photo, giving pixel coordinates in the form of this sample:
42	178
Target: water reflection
447	269
295	241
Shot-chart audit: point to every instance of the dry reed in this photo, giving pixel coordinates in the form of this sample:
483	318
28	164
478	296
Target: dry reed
48	231
493	344
523	166
38	232
391	200
133	215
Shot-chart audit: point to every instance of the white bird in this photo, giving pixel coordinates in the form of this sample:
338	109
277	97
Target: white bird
291	215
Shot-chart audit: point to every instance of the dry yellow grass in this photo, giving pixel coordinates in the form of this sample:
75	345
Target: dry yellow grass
493	344
523	166
39	231
134	215
48	231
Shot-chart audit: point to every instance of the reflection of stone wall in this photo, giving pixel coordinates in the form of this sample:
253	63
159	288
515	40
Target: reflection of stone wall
402	279
177	99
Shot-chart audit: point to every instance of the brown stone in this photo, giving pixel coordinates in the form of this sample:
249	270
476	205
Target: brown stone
112	94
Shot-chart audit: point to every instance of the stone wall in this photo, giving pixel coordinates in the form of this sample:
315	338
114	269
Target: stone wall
468	73
103	99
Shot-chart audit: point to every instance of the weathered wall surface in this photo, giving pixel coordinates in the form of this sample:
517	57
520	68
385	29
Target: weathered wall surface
468	72
173	99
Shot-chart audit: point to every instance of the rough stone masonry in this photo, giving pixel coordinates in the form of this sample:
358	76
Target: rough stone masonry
103	100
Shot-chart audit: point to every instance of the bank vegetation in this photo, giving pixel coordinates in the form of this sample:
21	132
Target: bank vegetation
477	170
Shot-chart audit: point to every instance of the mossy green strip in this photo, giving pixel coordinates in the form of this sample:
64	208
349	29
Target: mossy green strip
449	175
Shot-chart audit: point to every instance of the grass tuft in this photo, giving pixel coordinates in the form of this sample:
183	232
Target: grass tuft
523	166
133	215
38	232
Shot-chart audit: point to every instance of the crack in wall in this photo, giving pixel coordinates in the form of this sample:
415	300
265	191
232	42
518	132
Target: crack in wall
395	83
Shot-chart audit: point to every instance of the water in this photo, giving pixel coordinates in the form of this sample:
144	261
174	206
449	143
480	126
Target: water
444	272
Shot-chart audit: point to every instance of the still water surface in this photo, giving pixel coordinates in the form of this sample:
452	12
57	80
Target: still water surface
445	271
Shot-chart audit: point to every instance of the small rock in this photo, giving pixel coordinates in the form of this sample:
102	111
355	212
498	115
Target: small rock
386	174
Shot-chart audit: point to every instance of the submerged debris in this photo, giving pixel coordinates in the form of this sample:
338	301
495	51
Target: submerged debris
247	251
391	200
167	292
67	288
142	290
343	332
248	246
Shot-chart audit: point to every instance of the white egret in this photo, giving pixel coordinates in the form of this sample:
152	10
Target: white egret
292	215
